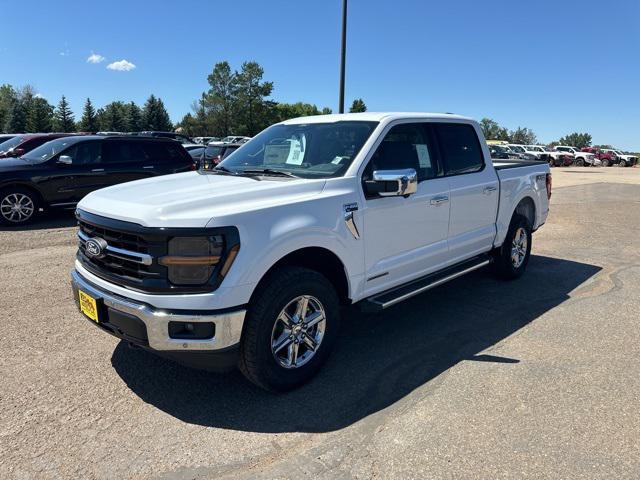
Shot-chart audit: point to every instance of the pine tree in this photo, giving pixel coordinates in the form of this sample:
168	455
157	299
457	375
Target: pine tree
155	116
357	106
89	120
63	117
133	117
39	116
111	118
252	114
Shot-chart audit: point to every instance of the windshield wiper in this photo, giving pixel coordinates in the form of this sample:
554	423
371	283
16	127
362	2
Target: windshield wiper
267	171
222	169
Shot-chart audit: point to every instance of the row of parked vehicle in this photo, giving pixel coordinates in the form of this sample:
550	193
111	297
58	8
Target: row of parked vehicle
55	170
562	155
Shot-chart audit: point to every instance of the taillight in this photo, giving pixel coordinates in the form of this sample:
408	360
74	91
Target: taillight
549	185
216	159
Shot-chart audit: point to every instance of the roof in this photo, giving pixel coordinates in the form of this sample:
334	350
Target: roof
372	117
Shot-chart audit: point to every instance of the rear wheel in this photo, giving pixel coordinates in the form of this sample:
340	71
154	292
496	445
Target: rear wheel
290	329
18	205
512	258
605	162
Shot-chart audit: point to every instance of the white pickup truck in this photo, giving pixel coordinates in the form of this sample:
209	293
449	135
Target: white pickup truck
248	264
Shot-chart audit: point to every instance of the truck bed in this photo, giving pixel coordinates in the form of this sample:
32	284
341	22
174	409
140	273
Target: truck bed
504	164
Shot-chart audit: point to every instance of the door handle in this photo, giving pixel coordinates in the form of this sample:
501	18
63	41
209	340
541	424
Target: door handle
489	190
148	166
439	200
98	170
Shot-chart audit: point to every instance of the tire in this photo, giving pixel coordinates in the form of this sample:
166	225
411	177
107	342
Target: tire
18	205
268	344
505	265
605	163
622	163
579	162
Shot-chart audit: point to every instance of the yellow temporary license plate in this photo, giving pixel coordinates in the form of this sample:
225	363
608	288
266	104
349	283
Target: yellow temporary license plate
88	306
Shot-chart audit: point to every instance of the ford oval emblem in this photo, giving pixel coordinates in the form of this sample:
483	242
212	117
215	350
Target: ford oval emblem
95	247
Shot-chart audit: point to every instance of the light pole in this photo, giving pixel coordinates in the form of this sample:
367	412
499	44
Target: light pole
343	52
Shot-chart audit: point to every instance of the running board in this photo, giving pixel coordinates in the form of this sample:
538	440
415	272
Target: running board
396	295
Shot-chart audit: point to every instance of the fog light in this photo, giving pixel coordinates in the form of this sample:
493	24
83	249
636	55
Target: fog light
192	331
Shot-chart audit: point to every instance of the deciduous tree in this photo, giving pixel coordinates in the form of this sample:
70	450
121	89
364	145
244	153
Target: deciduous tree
578	140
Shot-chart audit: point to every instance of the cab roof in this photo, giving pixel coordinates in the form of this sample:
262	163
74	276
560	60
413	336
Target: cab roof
373	117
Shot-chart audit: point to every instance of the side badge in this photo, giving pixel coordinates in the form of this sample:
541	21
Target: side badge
349	208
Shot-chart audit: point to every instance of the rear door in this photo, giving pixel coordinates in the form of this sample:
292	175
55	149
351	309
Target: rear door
127	160
474	190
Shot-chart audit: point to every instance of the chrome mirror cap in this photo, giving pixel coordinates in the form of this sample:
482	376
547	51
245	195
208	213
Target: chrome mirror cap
406	179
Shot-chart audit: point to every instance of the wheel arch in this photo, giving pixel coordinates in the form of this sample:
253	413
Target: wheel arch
319	259
26	186
527	208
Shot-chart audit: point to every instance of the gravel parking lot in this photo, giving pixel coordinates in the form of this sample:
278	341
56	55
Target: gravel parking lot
536	378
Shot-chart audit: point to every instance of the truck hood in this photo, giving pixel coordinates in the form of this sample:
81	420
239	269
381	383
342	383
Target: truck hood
192	199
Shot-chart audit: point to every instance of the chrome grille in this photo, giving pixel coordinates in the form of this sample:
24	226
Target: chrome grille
126	256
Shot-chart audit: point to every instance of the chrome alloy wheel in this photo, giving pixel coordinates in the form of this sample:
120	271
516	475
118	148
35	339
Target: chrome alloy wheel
519	247
298	331
17	207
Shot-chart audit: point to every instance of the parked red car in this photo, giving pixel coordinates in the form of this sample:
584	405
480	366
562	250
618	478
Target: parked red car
21	144
607	158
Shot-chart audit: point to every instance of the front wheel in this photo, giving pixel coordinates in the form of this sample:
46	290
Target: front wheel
18	206
605	162
291	326
512	258
579	162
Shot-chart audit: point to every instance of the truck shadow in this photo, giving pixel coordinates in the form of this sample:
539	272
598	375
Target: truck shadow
378	360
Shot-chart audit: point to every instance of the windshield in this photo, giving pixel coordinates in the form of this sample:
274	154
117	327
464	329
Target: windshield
46	151
316	150
9	144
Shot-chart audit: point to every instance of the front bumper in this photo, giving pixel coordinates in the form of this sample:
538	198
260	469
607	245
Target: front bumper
146	326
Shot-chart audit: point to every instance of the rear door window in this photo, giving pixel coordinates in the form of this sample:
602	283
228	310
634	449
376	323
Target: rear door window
124	151
459	148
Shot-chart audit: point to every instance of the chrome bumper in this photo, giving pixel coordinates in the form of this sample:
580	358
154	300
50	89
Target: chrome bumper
228	325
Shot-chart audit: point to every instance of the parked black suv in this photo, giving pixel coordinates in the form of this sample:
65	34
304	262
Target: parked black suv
61	172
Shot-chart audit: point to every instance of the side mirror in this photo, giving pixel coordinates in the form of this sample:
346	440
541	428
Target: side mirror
18	152
393	183
65	160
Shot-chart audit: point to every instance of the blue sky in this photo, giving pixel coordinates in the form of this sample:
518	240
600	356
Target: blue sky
553	66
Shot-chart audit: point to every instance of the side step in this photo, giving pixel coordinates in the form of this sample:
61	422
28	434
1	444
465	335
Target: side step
396	295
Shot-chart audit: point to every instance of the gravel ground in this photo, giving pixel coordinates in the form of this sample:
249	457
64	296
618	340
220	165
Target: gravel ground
537	378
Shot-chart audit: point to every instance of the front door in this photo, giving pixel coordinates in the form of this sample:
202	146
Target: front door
86	173
405	238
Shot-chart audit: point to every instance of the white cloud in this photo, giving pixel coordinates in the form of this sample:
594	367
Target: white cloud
121	66
65	53
39	95
95	58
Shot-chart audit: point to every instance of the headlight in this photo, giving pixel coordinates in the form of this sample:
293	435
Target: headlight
192	260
